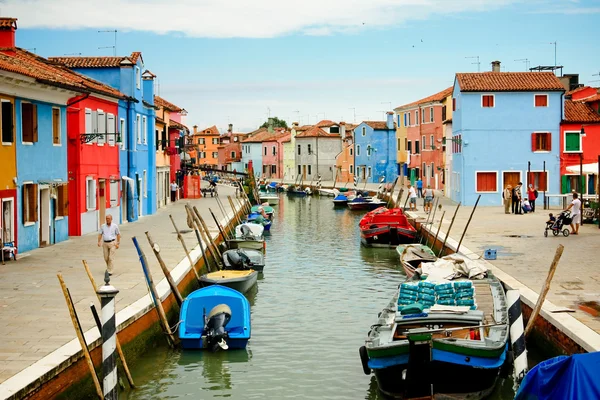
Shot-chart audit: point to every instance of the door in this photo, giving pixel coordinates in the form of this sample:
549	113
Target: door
304	172
124	203
102	201
7	221
44	226
511	178
139	193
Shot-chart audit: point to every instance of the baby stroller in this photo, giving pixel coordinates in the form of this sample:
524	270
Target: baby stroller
564	218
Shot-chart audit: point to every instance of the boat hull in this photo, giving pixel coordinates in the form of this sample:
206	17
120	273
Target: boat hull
386	237
241	283
297	193
246	244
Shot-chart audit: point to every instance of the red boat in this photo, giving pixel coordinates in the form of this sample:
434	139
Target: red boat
383	227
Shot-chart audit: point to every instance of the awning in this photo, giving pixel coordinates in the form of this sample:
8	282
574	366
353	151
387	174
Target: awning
587	169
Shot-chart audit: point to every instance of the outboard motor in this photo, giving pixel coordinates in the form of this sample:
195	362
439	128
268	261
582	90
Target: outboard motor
214	327
237	260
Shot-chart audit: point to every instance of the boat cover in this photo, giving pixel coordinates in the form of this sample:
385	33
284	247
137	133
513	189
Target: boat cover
451	267
564	377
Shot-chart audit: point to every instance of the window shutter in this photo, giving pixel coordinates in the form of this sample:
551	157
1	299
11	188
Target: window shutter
534	142
35	125
530	179
88	121
543	184
24	198
33	201
111	128
564	184
549	141
64	190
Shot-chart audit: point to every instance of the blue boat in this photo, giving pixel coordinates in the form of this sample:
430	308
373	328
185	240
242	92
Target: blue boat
340	200
215	317
253	219
564	377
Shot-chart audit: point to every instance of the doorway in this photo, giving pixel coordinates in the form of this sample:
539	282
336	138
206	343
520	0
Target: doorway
7	221
304	172
511	178
124	203
102	200
44	226
138	181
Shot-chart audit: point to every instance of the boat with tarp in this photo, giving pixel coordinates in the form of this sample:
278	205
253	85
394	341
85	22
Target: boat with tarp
385	227
412	255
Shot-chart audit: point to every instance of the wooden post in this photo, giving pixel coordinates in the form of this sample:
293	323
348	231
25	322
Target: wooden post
421	227
154	294
235	212
165	270
437	199
390	201
188	209
449	228
80	336
218	226
468	222
400	192
205	239
210	239
438	232
119	349
187	253
545	289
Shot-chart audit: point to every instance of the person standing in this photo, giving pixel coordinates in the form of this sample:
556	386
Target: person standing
506	197
174	188
109	238
420	188
531	196
516	199
412	198
575	214
428	199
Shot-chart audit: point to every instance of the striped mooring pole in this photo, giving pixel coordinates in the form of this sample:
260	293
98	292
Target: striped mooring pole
107	294
319	182
517	336
380	188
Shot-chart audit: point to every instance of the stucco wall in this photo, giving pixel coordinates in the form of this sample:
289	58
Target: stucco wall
383	156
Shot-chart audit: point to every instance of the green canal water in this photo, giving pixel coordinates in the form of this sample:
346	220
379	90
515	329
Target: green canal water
319	294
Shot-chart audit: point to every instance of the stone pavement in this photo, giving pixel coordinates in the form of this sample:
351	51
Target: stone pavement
34	319
524	252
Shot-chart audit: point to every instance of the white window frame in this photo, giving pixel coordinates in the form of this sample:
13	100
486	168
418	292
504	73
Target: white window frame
351	150
485	171
416	117
565	142
547	100
433	172
21	122
423	116
91	203
215	141
11	202
431	114
123	133
138	78
145	183
502	177
13	117
145	129
59	144
424	142
369	172
111	137
215	154
550	133
433	146
548	179
488	94
101	116
232	154
138	128
274	152
408	114
111	185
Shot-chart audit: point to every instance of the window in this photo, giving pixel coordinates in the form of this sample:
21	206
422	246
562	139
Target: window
90	193
408	115
453	104
432	170
417	148
351	168
114	193
273	169
486	182
138	78
215	154
369	148
309	169
351	150
145	129
487	100
265	150
123	133
432	142
358	150
29	124
424	170
309	149
398	144
539	180
405	119
101	127
299	151
215	141
138	129
274	150
541	141
145	183
334	129
233	154
364	131
430	114
110	129
409	146
457	144
423	116
368	172
424	142
572	142
444	113
30	203
264	169
398	119
299	169
7	121
540	100
62	200
417	117
200	140
55	125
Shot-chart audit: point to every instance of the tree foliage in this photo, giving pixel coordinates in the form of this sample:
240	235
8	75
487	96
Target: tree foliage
277	123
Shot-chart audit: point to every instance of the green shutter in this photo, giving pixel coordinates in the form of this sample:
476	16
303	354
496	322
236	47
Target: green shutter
572	141
564	184
583	184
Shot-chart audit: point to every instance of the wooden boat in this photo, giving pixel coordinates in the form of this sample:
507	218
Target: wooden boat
293	190
272	199
249	231
365	203
244	259
412	255
443	352
238	280
384	227
270	211
328	192
250	243
226	326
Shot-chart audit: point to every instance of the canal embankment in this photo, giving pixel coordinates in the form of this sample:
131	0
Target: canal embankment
41	358
567	323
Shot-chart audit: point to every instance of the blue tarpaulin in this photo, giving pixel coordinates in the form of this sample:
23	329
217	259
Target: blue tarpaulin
574	378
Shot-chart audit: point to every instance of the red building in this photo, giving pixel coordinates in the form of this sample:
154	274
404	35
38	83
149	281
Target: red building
230	150
577	150
93	159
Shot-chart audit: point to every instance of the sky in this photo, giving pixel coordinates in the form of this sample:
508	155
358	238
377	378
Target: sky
239	62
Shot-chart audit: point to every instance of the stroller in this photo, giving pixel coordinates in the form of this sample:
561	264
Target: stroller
564	218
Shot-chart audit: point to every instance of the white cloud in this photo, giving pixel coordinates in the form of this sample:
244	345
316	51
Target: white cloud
235	18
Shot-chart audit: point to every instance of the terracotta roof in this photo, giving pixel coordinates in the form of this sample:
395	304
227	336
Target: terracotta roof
303	128
447	121
326	123
148	73
508	82
591	99
159	120
8	23
98	62
259	136
576	111
177	125
276	136
212	131
25	63
315	131
160	102
378	125
439	96
579	89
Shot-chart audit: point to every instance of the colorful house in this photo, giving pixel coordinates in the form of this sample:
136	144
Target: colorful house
207	142
290	151
252	149
375	150
422	121
316	153
504	125
137	158
230	151
273	154
402	153
344	161
447	138
582	111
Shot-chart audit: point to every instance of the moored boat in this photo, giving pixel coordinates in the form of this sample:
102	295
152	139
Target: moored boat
269	211
240	280
328	192
272	199
249	231
385	227
243	259
365	203
249	243
412	255
258	219
226	326
424	348
341	200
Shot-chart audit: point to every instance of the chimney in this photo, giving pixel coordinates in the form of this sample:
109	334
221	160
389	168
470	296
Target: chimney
230	129
343	129
195	129
294	124
270	125
8	27
495	66
390	120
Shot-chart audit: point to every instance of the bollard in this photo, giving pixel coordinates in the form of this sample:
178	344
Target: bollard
107	294
517	338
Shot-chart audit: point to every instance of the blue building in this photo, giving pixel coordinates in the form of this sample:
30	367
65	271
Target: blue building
375	150
505	130
252	150
136	126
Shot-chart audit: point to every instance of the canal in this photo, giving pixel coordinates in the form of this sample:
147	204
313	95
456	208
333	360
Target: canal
311	311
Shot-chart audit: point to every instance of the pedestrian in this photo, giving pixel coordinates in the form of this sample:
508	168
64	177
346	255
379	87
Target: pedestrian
516	199
506	197
532	194
109	238
174	188
412	196
428	199
575	214
420	188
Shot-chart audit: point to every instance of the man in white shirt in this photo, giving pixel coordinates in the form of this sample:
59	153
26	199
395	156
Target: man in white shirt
109	238
174	188
412	197
575	214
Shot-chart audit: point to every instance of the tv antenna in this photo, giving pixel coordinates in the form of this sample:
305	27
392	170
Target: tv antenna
478	63
354	113
114	47
72	54
526	61
596	80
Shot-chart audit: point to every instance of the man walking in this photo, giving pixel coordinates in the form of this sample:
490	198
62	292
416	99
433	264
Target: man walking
506	196
174	188
575	214
420	188
516	199
109	238
412	196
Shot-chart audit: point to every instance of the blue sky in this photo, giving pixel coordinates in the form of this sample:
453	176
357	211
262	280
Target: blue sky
225	62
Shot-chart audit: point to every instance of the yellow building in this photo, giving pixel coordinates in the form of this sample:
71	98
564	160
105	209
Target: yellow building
8	171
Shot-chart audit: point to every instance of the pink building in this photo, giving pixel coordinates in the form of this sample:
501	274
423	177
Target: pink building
272	154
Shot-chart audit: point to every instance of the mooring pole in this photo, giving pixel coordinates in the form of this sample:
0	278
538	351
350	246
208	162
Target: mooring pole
437	200
107	294
449	228
438	232
468	222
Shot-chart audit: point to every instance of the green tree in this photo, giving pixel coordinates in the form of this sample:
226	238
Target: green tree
277	123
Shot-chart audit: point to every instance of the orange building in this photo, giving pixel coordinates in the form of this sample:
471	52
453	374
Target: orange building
345	160
206	146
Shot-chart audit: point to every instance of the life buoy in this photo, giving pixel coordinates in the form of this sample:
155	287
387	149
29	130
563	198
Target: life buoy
364	359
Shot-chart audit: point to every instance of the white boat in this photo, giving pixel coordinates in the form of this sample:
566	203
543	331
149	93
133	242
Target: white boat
253	231
329	192
272	199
